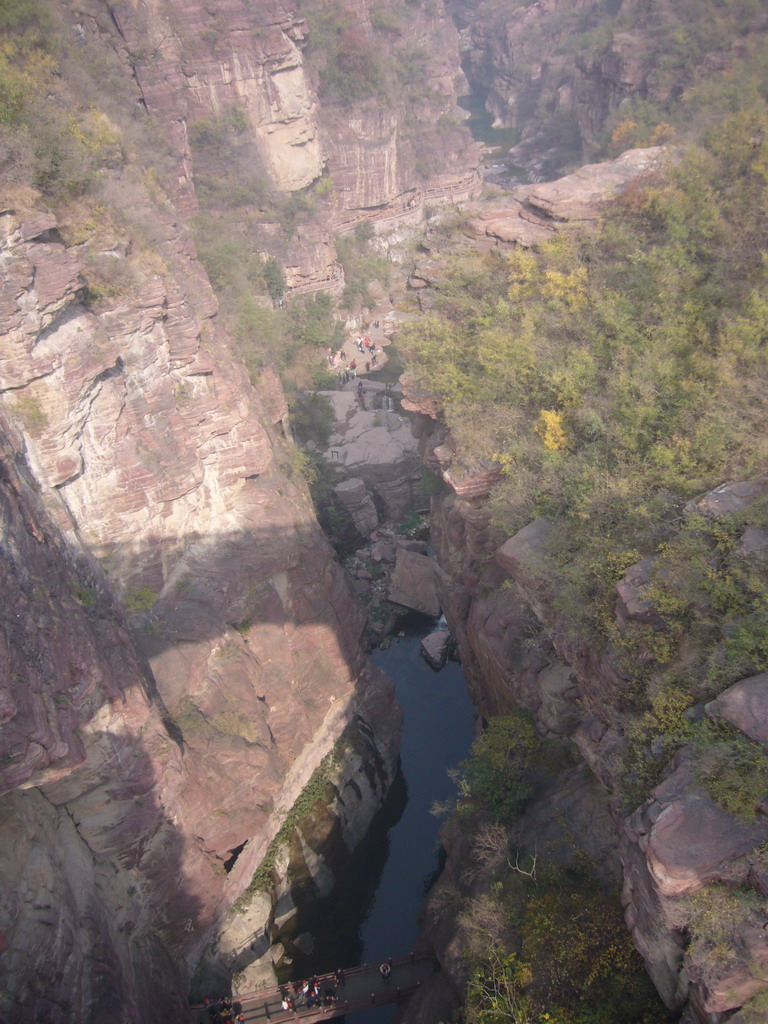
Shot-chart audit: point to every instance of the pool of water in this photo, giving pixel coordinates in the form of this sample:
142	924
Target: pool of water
496	142
373	914
480	123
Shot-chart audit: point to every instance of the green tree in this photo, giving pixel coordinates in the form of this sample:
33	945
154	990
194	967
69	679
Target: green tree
496	777
274	278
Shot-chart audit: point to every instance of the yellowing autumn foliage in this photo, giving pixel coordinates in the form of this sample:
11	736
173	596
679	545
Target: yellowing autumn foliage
549	427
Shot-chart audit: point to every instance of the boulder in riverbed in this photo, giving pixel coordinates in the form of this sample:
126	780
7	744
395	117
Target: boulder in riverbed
354	496
434	648
413	583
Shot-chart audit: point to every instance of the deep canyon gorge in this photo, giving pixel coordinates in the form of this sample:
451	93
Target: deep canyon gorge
208	539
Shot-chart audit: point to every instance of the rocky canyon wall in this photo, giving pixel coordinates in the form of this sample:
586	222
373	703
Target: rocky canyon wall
151	464
569	75
679	852
384	136
518	651
180	651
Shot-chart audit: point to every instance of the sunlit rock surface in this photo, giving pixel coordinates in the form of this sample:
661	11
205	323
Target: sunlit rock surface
377	446
151	459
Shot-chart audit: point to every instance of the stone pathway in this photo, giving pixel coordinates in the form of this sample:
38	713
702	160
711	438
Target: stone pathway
388	319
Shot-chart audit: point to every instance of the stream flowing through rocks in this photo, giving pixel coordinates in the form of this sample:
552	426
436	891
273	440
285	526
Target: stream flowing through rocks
372	914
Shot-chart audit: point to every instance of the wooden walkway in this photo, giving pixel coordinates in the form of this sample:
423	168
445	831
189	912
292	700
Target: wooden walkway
362	988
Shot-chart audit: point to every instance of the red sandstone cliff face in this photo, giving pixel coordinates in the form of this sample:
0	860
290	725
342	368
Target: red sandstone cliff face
150	450
149	470
83	890
381	150
401	150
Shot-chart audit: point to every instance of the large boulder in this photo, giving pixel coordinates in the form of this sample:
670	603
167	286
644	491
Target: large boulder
352	494
582	195
434	648
413	583
523	554
633	604
745	706
725	500
687	839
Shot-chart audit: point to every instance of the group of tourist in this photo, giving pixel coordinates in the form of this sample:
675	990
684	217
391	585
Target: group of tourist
368	348
309	993
348	367
222	1011
313	993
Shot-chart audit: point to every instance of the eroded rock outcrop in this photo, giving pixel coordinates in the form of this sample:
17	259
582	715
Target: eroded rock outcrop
193	738
90	837
531	215
375	445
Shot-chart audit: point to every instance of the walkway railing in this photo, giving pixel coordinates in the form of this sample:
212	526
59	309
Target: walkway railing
333	282
401	210
361	988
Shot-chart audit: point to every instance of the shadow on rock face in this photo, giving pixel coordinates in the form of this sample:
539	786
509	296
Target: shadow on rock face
158	746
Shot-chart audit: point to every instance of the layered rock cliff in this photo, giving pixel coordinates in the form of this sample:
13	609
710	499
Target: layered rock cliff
693	872
379	135
144	445
180	651
570	75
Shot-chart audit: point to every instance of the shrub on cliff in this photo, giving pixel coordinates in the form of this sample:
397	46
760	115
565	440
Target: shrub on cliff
349	66
733	769
612	377
312	322
362	265
555	950
228	166
495	779
591	971
716	918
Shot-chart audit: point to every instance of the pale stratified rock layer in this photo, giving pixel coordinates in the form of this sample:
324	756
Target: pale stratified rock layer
149	449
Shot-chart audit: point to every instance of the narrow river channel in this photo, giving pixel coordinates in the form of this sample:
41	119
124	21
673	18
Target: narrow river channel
372	915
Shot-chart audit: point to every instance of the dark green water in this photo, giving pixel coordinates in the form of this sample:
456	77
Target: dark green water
496	141
392	370
480	123
373	915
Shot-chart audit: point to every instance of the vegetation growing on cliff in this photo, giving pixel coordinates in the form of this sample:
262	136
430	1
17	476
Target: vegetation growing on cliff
320	791
542	941
496	779
356	61
59	152
615	376
362	266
